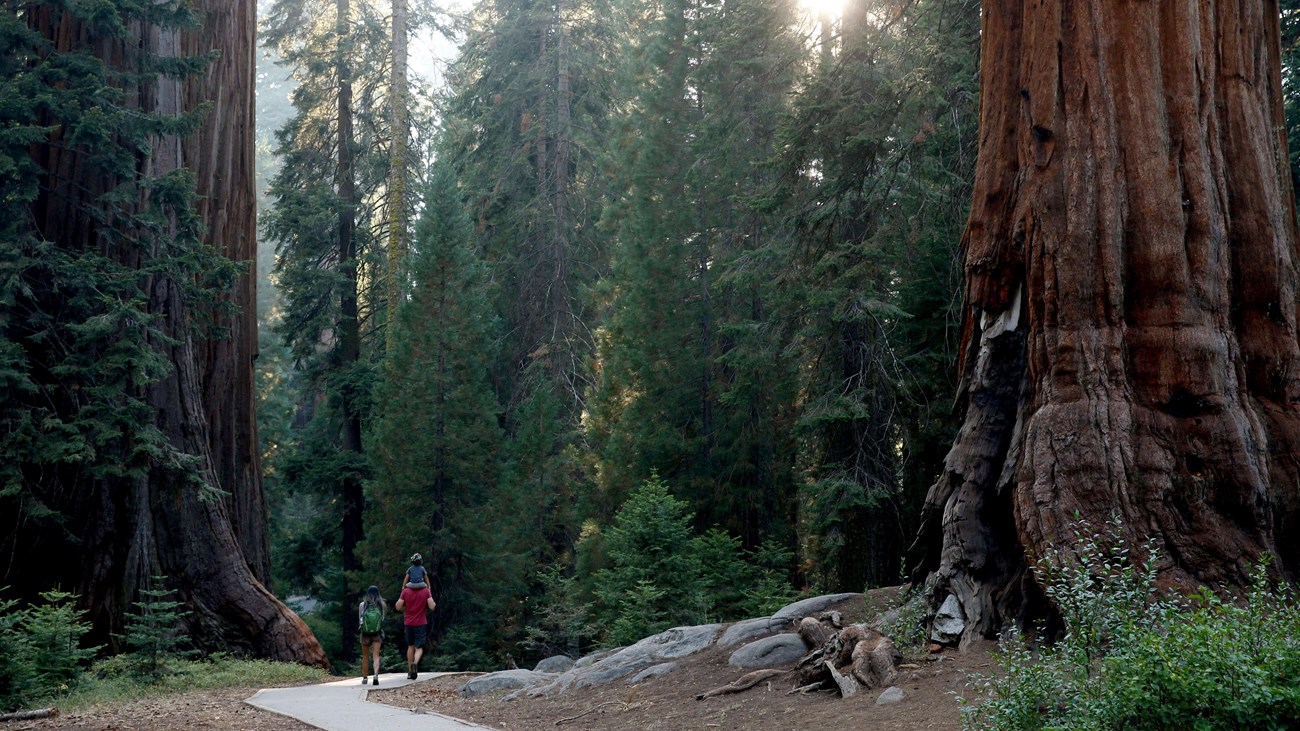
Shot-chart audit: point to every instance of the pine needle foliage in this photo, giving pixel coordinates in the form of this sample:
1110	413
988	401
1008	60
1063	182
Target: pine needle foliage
152	635
80	344
435	439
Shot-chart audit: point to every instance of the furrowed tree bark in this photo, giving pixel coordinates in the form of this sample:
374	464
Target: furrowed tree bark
175	523
1130	342
221	155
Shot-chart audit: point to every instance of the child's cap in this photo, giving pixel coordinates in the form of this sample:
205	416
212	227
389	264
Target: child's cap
416	558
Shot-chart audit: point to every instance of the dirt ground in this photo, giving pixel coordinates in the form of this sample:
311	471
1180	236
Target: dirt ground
208	709
664	704
668	703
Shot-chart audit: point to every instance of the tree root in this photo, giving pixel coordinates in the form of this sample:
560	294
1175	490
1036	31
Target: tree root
593	709
743	683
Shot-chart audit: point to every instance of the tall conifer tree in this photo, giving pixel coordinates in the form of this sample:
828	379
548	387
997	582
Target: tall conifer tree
435	440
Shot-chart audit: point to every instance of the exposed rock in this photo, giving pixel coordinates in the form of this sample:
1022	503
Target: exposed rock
654	671
806	607
892	695
678	641
654	650
504	680
554	664
588	660
750	629
781	650
948	622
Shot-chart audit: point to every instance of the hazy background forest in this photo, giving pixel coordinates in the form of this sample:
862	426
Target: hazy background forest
676	318
658	325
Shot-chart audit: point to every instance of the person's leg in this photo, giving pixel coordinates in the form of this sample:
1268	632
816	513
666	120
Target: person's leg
410	651
374	650
365	657
420	636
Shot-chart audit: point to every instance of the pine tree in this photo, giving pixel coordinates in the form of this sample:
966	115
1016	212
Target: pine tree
435	439
330	263
694	382
875	160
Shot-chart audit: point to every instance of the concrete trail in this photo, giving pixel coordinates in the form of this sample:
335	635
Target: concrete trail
342	706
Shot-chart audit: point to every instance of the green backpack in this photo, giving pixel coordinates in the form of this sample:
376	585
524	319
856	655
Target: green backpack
371	620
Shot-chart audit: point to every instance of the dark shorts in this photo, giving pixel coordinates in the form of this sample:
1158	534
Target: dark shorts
375	639
416	634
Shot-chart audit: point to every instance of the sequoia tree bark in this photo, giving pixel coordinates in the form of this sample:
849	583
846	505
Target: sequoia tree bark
128	530
1130	342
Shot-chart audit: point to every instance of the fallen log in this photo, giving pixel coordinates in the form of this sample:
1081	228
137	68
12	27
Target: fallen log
743	683
30	715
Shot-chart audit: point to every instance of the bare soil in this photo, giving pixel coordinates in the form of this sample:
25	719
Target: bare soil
668	703
205	709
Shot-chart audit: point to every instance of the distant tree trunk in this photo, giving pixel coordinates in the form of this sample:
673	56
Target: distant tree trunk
348	348
212	551
398	235
1130	339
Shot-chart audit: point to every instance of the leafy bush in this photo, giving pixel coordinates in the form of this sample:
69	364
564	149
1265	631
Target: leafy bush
905	624
1132	660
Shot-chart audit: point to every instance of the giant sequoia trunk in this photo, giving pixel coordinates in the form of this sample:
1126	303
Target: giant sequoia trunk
212	550
1130	339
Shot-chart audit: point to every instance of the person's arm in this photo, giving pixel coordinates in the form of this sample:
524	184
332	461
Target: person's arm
400	604
431	603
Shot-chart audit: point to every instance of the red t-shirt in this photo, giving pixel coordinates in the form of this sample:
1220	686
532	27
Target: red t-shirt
414	603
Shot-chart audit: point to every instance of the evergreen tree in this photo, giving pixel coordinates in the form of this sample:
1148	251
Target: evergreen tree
328	225
694	382
435	439
527	121
876	160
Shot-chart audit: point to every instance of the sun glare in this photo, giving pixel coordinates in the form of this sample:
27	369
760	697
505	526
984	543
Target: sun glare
819	8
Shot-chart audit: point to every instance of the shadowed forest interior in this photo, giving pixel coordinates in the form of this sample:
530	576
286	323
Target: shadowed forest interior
632	315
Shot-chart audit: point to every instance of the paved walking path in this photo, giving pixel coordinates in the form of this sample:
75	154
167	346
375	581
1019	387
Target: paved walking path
342	706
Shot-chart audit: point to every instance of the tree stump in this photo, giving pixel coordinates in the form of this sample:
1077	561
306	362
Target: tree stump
853	658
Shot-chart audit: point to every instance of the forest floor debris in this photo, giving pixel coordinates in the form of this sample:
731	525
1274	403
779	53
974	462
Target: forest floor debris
668	703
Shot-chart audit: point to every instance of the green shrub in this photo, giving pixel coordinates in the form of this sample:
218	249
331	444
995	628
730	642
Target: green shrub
661	574
1132	660
152	632
41	649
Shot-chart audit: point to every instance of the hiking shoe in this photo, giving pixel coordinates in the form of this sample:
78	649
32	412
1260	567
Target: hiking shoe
376	678
365	679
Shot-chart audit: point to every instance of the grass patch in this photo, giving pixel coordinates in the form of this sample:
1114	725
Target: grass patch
112	681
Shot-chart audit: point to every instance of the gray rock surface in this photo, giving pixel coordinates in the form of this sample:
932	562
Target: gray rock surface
677	642
554	664
805	607
588	660
892	695
948	622
750	629
654	671
770	652
504	680
667	645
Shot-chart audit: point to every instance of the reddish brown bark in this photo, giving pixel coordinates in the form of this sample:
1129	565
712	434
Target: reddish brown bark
1130	341
212	551
221	155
